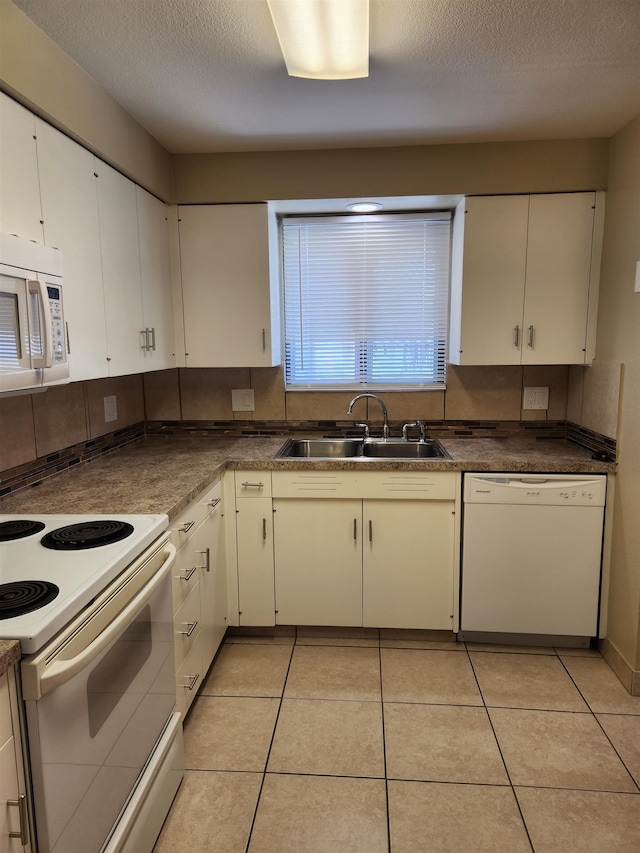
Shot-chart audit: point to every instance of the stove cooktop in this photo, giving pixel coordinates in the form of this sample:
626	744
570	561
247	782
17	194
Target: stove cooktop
94	550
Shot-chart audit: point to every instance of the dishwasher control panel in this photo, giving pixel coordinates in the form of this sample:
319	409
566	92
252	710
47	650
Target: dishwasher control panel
536	489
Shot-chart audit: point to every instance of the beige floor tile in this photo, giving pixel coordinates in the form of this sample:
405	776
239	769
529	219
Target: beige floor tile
507	649
212	811
320	814
249	640
558	750
441	743
439	677
526	681
441	818
600	686
338	641
328	737
578	653
343	633
392	638
335	672
581	821
229	733
248	670
624	733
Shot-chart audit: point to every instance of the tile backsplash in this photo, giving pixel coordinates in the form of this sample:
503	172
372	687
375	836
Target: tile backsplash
48	426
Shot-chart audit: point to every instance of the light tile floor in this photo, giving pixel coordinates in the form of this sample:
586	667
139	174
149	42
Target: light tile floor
378	741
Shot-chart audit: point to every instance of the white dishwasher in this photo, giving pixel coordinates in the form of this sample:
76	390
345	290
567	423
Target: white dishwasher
531	556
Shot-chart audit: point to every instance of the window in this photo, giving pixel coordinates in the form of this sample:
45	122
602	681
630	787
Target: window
366	301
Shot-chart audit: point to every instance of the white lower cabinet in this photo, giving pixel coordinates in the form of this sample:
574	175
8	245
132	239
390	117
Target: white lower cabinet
347	548
199	589
14	828
318	561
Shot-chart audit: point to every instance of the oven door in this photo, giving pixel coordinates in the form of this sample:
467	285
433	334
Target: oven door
97	699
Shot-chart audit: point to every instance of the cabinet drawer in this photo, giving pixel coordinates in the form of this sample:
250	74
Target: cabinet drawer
189	677
410	485
185	525
186	624
253	484
317	484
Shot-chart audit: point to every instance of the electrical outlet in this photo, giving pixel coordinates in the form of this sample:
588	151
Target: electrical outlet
242	400
110	409
535	398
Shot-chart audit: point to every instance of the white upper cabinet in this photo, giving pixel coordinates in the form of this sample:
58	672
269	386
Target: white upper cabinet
155	275
525	279
229	263
119	249
70	213
20	211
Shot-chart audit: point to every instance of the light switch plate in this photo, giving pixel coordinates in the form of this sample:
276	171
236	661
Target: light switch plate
535	398
110	409
242	400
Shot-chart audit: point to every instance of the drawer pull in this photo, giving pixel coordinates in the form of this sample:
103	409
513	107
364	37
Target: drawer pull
355	529
207	559
370	530
191	626
21	805
193	680
264	528
253	485
214	503
186	527
188	574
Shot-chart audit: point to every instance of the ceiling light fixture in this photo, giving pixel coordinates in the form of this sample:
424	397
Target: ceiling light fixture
364	206
323	39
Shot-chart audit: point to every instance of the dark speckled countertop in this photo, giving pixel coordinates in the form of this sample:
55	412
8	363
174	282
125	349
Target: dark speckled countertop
164	474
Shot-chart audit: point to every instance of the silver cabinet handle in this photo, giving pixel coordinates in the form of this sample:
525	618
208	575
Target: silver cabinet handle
152	332
516	337
186	527
370	530
530	337
191	628
21	805
207	559
213	504
355	529
264	528
253	485
193	680
188	574
144	334
264	340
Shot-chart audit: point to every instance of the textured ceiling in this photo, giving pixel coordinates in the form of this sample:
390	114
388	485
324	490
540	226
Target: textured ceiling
207	75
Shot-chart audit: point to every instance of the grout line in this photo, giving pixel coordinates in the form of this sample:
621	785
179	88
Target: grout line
384	750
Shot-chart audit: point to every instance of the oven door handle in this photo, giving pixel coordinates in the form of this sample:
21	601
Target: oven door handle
59	672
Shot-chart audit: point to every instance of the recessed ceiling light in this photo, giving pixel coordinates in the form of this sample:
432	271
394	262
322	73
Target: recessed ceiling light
364	206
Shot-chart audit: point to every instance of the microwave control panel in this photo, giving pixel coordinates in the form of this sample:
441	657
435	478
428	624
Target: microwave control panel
54	292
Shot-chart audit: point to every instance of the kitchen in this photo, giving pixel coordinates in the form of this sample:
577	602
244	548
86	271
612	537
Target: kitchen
49	424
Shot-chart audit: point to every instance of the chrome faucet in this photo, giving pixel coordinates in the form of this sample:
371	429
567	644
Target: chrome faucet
385	426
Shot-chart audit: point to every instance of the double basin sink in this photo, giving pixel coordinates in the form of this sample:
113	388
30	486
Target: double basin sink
358	448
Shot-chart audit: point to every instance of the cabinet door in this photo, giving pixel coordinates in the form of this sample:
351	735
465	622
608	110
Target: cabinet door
408	564
254	531
213	580
558	278
318	557
226	286
493	280
120	270
70	213
20	211
155	273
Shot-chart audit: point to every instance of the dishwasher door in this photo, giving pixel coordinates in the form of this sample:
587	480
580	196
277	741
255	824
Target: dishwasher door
531	554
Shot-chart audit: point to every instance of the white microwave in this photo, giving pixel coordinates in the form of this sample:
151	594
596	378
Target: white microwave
33	339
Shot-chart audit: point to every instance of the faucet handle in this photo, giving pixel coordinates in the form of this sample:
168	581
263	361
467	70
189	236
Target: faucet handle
407	427
365	427
420	424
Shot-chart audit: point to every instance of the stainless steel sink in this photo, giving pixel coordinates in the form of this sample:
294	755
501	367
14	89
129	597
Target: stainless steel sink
320	448
354	449
404	450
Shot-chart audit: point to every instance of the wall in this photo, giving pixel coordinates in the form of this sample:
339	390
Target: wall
478	168
39	74
619	341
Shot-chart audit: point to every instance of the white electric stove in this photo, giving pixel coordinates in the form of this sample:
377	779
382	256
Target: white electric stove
65	581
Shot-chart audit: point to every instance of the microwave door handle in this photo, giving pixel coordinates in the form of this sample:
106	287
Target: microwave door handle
38	287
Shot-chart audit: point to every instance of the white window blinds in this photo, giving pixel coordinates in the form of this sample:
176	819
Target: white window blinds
366	300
